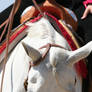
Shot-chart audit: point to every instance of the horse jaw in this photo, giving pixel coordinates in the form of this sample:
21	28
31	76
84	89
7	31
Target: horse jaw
81	53
31	52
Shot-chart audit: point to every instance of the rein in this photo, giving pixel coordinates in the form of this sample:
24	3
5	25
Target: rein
36	5
35	63
6	22
9	22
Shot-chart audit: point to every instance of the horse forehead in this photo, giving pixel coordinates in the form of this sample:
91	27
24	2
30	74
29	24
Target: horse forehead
42	30
41	24
42	20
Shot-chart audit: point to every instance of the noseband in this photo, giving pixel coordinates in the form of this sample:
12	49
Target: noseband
37	62
47	46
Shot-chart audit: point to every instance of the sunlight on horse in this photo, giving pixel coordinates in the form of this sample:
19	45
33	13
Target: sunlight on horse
56	73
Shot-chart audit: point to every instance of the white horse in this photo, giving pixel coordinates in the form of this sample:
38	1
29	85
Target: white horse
55	73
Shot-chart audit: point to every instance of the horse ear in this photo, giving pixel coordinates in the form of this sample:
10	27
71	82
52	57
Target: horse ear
31	52
81	53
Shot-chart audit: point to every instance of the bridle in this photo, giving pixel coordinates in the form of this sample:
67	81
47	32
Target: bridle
9	22
37	62
47	46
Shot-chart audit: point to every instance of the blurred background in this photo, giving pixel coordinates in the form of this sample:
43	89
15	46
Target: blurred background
5	4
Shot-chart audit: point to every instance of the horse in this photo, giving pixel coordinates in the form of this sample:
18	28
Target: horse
45	60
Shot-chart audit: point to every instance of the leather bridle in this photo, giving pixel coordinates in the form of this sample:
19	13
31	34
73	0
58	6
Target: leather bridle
37	62
47	46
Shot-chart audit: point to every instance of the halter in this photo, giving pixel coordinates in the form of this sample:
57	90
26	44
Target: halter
37	62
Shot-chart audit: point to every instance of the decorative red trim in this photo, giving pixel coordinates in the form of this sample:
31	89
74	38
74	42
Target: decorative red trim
2	48
80	66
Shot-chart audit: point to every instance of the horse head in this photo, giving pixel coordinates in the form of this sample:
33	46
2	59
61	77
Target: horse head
54	70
